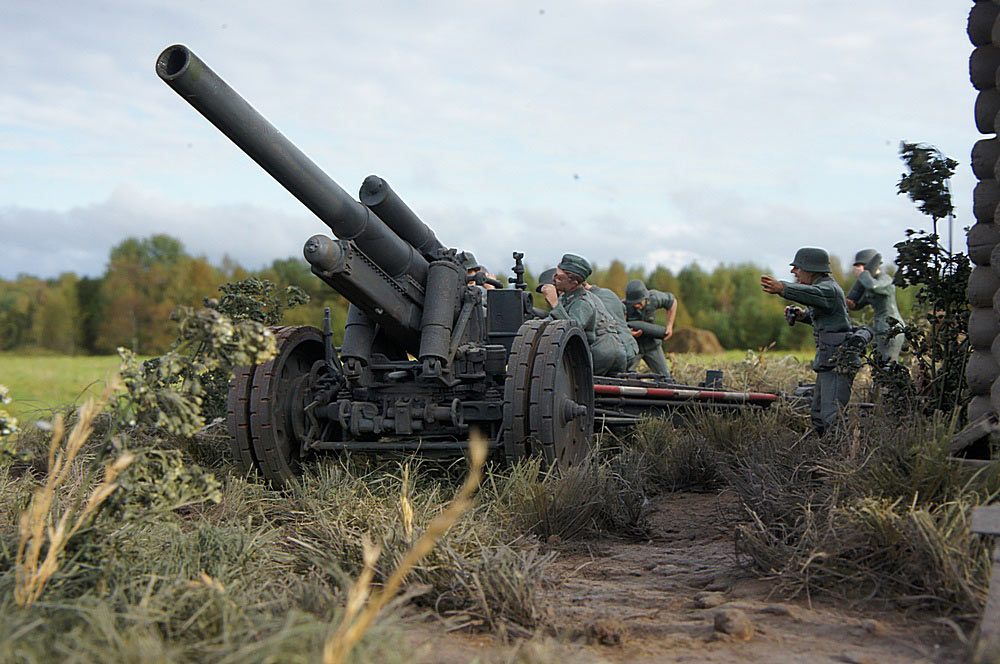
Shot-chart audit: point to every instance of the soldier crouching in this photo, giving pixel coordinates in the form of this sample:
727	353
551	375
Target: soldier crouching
827	313
576	303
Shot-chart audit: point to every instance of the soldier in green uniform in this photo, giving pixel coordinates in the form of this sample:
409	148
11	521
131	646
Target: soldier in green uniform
641	305
874	287
827	313
616	308
576	303
612	303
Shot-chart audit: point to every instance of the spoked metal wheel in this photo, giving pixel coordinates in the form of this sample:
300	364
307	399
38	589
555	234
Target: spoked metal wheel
275	404
562	394
549	394
515	427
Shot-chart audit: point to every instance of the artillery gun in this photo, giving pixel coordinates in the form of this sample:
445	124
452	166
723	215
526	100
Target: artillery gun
426	359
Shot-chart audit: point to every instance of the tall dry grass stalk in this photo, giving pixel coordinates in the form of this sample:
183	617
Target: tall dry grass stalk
37	532
357	620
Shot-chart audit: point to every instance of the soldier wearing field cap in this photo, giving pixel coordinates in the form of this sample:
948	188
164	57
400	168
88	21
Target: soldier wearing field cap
571	301
874	287
827	313
640	306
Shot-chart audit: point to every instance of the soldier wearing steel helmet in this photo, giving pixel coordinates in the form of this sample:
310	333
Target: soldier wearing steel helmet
874	287
474	267
571	301
827	313
641	305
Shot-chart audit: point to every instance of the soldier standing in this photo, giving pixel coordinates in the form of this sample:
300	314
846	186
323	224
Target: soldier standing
874	287
576	303
641	305
827	313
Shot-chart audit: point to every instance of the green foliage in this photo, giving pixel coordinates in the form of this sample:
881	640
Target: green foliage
938	336
729	302
255	299
251	299
159	481
148	278
18	307
145	281
8	427
53	323
167	392
927	181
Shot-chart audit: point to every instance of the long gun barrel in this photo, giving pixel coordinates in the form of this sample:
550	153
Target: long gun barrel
201	87
379	197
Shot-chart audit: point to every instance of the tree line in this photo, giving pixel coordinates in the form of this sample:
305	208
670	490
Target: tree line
148	278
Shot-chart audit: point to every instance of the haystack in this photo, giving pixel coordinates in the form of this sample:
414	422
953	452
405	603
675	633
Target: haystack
693	340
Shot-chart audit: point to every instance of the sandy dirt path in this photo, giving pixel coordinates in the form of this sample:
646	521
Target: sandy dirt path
659	600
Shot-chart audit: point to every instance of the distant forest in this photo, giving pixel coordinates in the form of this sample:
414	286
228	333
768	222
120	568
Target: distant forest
146	279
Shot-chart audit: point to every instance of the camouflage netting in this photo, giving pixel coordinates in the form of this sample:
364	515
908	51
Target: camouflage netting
982	370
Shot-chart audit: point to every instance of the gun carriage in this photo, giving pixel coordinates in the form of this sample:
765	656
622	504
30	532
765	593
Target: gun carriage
426	358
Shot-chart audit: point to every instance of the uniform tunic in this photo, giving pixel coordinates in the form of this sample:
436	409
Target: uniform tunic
651	348
606	348
879	292
827	313
616	308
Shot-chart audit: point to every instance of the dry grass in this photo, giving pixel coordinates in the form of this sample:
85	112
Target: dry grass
877	512
41	532
165	572
359	616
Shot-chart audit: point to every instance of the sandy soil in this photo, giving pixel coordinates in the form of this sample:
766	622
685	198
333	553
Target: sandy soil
671	599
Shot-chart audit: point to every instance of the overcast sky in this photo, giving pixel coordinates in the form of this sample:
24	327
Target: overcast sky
659	132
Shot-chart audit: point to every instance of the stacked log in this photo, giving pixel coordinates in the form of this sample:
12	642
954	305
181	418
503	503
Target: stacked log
983	369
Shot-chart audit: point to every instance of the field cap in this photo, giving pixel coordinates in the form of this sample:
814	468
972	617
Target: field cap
575	264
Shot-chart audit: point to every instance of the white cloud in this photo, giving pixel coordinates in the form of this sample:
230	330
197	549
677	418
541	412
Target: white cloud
645	131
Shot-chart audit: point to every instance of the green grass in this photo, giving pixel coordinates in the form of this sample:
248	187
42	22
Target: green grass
731	356
41	382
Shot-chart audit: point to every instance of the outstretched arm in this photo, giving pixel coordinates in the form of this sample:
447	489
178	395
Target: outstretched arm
809	295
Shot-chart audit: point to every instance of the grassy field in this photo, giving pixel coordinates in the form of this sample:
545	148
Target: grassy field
41	382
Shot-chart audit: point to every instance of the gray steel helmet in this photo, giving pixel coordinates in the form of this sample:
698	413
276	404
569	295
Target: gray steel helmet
469	261
635	292
863	256
812	259
545	278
